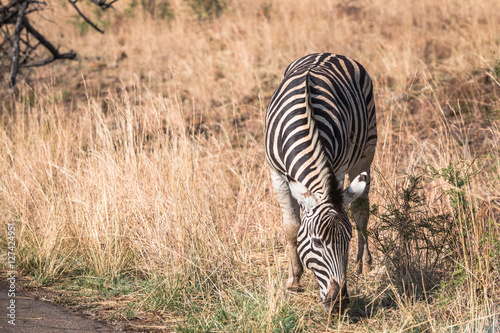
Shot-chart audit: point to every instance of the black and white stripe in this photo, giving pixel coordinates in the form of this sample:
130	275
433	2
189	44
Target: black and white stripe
320	125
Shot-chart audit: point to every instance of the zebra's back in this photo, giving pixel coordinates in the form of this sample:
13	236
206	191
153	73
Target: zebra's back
321	116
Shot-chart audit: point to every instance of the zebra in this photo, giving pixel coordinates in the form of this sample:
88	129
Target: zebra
321	125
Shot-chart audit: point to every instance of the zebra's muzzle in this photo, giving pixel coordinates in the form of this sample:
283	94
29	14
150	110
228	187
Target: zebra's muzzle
336	300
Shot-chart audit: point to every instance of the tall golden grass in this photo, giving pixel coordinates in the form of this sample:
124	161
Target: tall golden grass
137	173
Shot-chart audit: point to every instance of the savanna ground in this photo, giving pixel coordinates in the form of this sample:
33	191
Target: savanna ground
136	177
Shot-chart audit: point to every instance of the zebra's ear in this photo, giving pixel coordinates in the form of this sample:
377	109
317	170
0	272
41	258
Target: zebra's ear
355	189
306	199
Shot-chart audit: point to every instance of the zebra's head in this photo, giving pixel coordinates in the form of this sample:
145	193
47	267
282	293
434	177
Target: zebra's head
324	236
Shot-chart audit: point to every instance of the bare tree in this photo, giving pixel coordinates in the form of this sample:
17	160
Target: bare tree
22	39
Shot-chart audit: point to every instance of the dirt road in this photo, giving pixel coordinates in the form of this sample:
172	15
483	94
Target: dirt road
34	315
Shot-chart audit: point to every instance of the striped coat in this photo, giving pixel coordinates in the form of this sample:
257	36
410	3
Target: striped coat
320	126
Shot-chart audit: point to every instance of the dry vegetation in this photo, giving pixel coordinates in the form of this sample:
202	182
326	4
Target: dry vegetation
137	181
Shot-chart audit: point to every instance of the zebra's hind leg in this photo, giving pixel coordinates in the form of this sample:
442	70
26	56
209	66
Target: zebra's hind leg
361	212
360	208
291	225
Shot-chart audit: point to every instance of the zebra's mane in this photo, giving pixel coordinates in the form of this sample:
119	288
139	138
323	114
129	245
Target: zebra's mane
335	193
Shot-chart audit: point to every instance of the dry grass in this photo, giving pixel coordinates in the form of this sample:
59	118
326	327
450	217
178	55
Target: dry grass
138	178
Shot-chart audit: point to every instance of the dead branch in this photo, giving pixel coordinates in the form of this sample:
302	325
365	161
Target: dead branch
14	69
55	53
14	21
73	3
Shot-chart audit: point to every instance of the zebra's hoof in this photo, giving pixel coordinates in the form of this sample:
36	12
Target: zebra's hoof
295	287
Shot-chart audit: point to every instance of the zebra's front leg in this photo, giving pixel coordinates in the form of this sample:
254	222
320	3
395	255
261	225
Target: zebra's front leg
291	225
295	268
